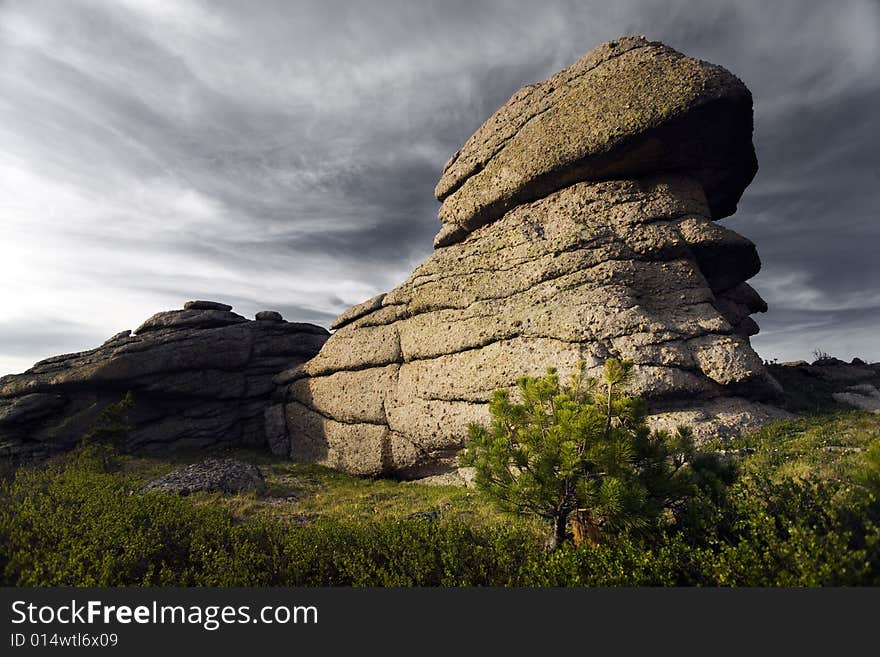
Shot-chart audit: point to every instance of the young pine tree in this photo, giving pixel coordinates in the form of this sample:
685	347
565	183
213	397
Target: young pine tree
582	447
108	434
110	427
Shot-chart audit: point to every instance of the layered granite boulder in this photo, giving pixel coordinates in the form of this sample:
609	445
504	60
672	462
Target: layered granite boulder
200	377
578	224
627	109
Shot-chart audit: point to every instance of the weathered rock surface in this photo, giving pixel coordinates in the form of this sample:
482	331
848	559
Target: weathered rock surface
199	376
578	225
206	305
627	109
212	475
268	316
863	396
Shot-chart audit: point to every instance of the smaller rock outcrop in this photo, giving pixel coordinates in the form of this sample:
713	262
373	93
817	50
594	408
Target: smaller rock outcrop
199	376
828	384
212	476
864	396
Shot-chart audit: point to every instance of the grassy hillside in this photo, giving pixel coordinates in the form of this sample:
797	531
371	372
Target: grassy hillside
803	510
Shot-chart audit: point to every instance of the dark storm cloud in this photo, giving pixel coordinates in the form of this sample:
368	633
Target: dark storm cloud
284	155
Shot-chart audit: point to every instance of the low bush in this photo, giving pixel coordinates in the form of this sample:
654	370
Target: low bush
73	523
585	450
81	521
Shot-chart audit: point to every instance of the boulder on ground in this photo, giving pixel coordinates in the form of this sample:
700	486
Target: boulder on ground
864	396
213	475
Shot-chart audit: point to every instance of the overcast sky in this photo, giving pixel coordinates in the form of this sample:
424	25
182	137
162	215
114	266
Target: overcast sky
283	155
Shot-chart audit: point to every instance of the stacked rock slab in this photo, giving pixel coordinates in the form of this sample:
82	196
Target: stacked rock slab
199	377
578	225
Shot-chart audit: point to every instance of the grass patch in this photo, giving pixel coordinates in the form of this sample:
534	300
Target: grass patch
301	492
827	447
804	511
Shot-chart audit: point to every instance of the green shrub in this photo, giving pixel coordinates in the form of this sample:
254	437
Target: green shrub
79	520
110	428
803	511
585	447
72	523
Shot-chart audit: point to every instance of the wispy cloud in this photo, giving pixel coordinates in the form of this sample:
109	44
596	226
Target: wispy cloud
280	154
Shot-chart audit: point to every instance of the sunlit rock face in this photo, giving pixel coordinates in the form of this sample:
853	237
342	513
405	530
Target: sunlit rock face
578	223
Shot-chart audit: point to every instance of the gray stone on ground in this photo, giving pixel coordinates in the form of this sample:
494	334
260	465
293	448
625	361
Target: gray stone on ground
461	477
213	475
864	396
269	316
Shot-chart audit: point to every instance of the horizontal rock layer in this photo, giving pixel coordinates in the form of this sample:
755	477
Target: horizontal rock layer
633	269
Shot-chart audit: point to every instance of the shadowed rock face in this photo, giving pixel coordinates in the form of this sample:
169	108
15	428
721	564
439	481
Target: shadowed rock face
200	376
578	225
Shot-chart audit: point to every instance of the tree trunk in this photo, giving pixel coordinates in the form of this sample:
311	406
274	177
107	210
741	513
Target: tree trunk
559	523
585	528
608	411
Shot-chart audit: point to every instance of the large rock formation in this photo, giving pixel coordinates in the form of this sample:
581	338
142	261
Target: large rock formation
200	376
578	224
